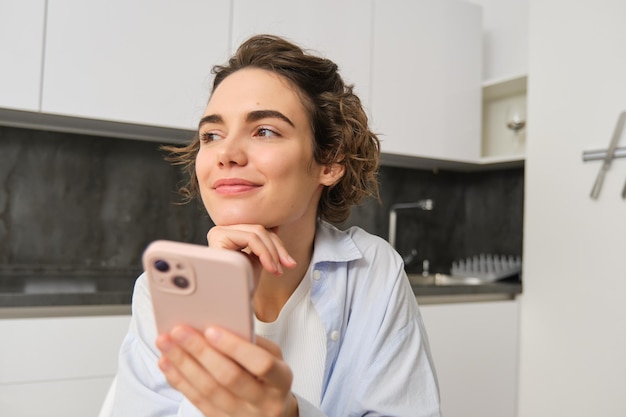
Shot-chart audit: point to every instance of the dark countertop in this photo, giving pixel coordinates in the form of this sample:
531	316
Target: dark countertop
69	287
31	289
444	288
497	290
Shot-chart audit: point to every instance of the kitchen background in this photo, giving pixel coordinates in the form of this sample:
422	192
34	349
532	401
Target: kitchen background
78	202
555	350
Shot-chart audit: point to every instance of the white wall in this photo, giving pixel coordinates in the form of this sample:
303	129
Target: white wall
573	313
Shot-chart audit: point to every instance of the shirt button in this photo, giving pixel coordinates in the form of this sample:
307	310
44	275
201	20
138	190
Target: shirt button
316	275
334	335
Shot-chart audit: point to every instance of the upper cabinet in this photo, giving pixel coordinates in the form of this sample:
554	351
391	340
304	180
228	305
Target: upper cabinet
505	70
340	31
21	49
117	67
505	39
145	62
426	79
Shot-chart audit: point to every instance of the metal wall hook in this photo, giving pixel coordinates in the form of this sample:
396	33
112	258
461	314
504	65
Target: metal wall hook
599	155
608	158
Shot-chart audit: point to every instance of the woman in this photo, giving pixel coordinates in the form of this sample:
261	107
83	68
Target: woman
283	148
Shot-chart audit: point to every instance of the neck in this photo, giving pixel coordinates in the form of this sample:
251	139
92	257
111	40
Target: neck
273	291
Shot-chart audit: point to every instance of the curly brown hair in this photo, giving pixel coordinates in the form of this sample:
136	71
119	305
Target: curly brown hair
337	118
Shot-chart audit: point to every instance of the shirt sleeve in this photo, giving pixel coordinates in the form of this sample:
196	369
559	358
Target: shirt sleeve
141	387
400	379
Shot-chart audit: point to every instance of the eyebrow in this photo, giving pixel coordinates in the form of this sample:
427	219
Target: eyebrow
253	116
211	118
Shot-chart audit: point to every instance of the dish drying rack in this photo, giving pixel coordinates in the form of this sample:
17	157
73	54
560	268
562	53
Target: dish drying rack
487	267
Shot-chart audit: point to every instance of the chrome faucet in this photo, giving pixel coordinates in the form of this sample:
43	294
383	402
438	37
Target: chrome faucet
425	205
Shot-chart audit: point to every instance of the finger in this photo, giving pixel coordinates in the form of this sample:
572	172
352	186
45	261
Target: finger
256	239
279	252
266	365
269	346
265	248
273	242
250	239
183	366
185	373
284	257
228	374
177	381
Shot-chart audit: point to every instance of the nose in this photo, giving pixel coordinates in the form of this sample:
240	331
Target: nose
232	151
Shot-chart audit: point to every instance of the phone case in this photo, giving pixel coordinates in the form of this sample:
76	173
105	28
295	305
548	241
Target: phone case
199	286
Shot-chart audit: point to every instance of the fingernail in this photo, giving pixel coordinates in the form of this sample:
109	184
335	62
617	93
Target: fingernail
181	335
165	364
213	334
164	344
279	269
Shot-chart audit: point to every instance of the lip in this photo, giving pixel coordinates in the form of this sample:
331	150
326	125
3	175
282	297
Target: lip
234	186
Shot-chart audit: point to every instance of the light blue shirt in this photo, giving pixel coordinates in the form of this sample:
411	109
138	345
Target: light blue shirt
378	361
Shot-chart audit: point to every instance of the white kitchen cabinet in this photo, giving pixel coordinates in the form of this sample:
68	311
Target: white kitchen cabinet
340	31
475	349
426	78
21	53
64	398
505	69
146	62
505	39
60	366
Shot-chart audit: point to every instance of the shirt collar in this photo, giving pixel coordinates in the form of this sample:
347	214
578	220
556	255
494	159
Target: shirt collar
333	245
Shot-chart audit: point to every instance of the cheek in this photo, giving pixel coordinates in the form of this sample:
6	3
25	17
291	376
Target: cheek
202	163
290	164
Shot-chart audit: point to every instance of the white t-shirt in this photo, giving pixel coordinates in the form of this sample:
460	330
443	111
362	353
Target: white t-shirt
300	333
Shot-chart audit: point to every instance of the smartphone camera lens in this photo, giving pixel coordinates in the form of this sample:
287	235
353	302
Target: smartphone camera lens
161	265
180	282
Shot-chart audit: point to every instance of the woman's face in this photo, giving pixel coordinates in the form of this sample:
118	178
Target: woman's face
255	164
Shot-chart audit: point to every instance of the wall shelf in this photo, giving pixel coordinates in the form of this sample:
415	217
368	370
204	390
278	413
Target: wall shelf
504	87
504	104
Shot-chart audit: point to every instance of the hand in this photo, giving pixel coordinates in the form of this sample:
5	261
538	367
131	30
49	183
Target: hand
263	246
225	375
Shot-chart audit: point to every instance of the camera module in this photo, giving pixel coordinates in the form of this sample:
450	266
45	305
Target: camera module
161	265
181	282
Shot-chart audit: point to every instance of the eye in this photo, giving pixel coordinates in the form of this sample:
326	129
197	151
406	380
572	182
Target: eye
266	132
208	137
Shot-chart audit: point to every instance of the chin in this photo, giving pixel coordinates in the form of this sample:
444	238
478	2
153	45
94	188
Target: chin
231	219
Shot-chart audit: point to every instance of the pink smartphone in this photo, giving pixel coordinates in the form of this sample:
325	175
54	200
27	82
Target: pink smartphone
199	286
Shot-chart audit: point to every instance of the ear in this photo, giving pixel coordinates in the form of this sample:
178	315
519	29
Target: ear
331	174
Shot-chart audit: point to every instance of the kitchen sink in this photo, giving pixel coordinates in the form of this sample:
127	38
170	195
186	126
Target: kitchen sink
442	280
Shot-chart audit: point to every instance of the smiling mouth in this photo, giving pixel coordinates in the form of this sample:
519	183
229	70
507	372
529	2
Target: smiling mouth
234	189
233	186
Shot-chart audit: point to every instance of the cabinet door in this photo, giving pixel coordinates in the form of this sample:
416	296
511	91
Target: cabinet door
65	363
505	28
338	30
426	78
67	398
21	52
144	61
60	348
475	348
